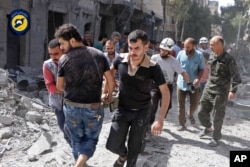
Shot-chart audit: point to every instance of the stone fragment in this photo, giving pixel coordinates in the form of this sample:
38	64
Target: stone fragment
41	145
34	116
5	133
5	120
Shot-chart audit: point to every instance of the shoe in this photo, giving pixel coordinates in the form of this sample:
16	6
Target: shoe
148	137
192	120
205	131
182	128
213	143
119	162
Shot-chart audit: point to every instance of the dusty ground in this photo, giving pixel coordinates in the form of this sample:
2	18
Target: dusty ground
177	149
172	149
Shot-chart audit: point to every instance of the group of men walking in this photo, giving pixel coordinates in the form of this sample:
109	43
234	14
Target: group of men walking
75	82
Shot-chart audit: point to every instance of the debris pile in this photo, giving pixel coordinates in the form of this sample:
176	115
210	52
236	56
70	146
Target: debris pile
29	135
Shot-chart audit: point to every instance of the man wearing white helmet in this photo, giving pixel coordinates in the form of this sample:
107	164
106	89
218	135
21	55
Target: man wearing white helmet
204	45
169	65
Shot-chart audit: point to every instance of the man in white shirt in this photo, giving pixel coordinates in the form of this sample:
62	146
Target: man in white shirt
169	65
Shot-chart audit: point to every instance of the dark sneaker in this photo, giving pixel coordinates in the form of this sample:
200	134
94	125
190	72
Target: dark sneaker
205	131
182	128
213	143
119	162
192	120
148	137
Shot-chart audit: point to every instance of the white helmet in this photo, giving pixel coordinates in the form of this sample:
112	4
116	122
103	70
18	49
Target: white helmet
203	40
167	44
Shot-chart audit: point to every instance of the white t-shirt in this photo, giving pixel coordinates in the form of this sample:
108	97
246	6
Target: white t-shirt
168	66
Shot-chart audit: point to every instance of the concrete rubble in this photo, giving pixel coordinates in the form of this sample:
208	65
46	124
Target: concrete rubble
29	135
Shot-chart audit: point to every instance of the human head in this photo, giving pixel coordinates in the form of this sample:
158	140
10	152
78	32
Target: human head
217	45
68	37
87	36
152	43
110	47
206	56
115	36
157	46
125	36
137	43
103	37
166	47
54	50
203	43
189	46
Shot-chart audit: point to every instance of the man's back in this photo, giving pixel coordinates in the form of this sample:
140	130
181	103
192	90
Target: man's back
83	69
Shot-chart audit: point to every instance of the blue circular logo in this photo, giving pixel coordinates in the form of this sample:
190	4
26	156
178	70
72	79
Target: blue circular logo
19	21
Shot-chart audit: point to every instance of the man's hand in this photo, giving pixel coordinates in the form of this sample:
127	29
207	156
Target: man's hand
156	128
196	82
231	95
106	98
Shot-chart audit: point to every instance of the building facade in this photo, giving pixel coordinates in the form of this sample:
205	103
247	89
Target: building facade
96	16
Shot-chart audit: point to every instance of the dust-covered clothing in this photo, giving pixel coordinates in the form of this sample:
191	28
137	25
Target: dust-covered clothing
55	99
135	86
83	69
132	115
224	77
168	66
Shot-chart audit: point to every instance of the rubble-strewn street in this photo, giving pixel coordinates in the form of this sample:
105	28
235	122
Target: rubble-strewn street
29	135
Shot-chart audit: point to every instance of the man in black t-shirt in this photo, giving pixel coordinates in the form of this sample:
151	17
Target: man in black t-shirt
137	72
80	76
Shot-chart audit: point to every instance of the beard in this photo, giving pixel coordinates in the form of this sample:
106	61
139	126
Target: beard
111	53
68	49
190	52
164	55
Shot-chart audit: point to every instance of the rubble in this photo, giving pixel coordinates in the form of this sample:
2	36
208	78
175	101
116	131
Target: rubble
30	136
29	133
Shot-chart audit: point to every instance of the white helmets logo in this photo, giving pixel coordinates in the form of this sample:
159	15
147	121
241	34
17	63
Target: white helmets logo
167	44
203	40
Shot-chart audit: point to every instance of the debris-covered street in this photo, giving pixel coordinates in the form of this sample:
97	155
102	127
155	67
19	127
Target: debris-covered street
29	134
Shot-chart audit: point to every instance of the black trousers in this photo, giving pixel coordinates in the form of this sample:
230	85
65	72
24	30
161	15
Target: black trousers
155	98
132	123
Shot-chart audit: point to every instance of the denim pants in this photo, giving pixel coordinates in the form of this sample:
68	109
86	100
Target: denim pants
84	125
133	123
193	100
56	103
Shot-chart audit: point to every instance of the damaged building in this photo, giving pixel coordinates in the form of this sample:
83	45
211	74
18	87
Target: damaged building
96	16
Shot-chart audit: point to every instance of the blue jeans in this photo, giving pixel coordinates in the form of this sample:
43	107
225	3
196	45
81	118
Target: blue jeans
84	126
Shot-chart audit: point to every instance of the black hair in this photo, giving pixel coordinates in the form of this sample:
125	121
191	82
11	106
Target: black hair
53	43
138	34
191	40
101	36
68	31
126	33
206	55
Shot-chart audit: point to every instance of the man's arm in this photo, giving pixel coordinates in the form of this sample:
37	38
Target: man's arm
49	80
197	80
235	79
109	85
158	124
60	84
185	76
